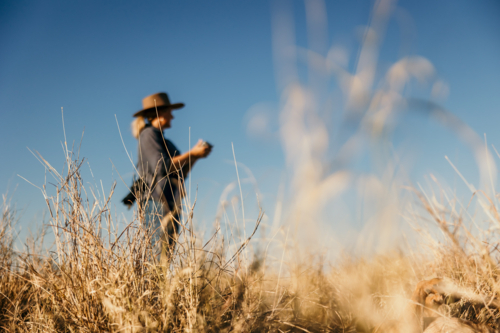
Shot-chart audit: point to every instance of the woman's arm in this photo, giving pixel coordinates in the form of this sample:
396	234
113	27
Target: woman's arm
185	162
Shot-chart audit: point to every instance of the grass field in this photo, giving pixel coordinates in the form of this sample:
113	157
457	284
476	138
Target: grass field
97	280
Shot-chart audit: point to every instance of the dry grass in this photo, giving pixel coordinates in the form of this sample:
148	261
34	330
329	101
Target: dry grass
99	280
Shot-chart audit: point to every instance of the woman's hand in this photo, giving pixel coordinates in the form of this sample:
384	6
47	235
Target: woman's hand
185	162
200	150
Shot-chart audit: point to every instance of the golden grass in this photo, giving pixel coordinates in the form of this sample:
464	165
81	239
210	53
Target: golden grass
98	280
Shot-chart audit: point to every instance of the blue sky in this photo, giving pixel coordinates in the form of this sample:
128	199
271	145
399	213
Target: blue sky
98	59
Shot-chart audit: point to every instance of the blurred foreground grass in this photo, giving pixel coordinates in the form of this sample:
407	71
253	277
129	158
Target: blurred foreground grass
98	280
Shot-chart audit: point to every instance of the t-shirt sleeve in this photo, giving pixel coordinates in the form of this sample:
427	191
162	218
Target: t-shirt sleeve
172	149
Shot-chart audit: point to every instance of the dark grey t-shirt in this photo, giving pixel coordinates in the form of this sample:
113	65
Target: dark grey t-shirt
154	159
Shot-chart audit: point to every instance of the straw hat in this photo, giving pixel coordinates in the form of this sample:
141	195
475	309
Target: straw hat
156	101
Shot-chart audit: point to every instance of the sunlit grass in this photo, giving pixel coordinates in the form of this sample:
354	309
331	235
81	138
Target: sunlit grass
99	280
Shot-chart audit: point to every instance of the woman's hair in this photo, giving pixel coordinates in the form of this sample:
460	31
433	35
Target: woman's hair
138	125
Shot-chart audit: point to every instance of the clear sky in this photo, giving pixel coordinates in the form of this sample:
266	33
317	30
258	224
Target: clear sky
98	59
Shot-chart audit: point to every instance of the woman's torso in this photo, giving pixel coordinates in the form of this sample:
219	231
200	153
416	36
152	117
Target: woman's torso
154	160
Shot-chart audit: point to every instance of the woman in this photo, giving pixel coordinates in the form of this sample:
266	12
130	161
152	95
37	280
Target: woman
162	168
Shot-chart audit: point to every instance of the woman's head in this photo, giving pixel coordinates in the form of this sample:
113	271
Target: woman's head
157	109
163	119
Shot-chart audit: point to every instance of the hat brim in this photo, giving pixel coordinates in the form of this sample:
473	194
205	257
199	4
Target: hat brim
152	111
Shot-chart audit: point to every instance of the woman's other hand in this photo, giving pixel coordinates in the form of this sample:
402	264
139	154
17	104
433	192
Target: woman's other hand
200	150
